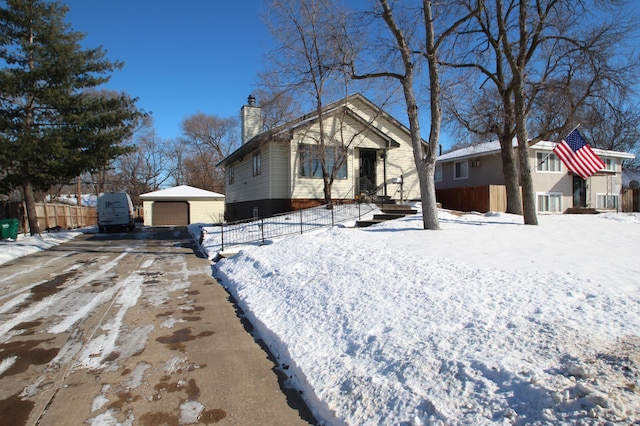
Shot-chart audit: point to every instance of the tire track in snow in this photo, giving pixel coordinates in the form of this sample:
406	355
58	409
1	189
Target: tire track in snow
36	310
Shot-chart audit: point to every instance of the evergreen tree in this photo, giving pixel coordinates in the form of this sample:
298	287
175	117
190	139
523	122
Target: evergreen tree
54	123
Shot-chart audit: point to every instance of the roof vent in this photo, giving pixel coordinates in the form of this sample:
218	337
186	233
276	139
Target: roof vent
251	100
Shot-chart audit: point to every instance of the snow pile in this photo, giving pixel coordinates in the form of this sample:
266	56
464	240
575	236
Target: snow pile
486	321
26	245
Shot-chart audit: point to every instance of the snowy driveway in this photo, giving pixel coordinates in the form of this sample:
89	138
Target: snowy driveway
124	329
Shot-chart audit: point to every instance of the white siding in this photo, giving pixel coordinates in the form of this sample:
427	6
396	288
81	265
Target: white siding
147	207
337	130
399	160
210	211
400	163
279	166
272	182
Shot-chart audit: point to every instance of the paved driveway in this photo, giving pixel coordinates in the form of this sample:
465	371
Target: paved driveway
130	329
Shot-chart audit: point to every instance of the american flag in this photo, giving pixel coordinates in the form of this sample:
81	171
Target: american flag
577	155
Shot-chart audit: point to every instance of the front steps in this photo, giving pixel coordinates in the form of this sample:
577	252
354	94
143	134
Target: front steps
389	212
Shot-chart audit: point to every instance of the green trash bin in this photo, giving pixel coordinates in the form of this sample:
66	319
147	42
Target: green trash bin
9	228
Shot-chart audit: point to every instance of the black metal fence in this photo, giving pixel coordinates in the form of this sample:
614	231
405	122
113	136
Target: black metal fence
297	222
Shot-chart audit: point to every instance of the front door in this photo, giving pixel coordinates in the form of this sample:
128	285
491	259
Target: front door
579	192
367	170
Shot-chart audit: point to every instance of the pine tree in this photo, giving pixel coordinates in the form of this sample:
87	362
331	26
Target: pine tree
54	122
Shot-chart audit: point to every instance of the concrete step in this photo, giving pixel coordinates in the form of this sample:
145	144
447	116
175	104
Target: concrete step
388	216
398	208
367	223
403	212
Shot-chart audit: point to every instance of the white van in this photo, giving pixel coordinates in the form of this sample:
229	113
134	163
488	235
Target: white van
115	211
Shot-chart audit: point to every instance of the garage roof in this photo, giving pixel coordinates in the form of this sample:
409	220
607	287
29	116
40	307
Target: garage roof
182	192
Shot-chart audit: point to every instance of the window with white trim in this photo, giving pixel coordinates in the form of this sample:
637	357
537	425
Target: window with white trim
550	202
438	173
310	161
610	164
461	170
607	201
548	162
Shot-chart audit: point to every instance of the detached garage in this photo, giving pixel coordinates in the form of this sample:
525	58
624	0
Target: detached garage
181	206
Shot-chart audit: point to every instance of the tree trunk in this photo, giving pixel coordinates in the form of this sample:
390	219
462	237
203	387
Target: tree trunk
428	166
327	190
29	200
528	193
511	178
424	168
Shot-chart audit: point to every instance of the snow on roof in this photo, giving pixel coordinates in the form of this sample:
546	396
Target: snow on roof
182	192
493	147
472	151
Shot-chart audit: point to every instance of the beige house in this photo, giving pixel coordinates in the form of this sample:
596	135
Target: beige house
557	189
279	170
182	205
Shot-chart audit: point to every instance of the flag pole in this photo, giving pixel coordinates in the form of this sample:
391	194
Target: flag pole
574	129
547	156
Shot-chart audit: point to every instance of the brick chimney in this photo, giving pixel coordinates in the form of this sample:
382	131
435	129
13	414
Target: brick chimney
251	118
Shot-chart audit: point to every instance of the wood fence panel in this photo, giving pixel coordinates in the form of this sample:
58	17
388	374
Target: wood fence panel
630	200
50	216
465	199
498	198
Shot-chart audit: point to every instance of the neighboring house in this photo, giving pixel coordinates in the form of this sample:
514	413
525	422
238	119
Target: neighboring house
557	189
279	170
182	205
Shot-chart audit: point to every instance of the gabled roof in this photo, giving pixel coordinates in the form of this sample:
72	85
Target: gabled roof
479	150
493	147
312	117
180	193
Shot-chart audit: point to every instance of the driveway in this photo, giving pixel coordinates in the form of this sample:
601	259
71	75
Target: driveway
131	329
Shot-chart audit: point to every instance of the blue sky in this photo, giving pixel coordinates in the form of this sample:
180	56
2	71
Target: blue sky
185	57
179	57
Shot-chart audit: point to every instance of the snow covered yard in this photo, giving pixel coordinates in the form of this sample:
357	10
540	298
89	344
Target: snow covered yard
484	322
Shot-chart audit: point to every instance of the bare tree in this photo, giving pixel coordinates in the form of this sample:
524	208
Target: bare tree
143	170
405	48
542	52
311	35
217	134
278	107
206	140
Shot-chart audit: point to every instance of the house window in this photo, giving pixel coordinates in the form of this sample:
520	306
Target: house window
230	171
310	162
438	173
548	162
257	166
606	201
550	202
461	169
609	164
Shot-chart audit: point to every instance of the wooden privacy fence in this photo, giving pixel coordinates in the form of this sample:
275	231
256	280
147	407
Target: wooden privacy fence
490	198
631	200
51	216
